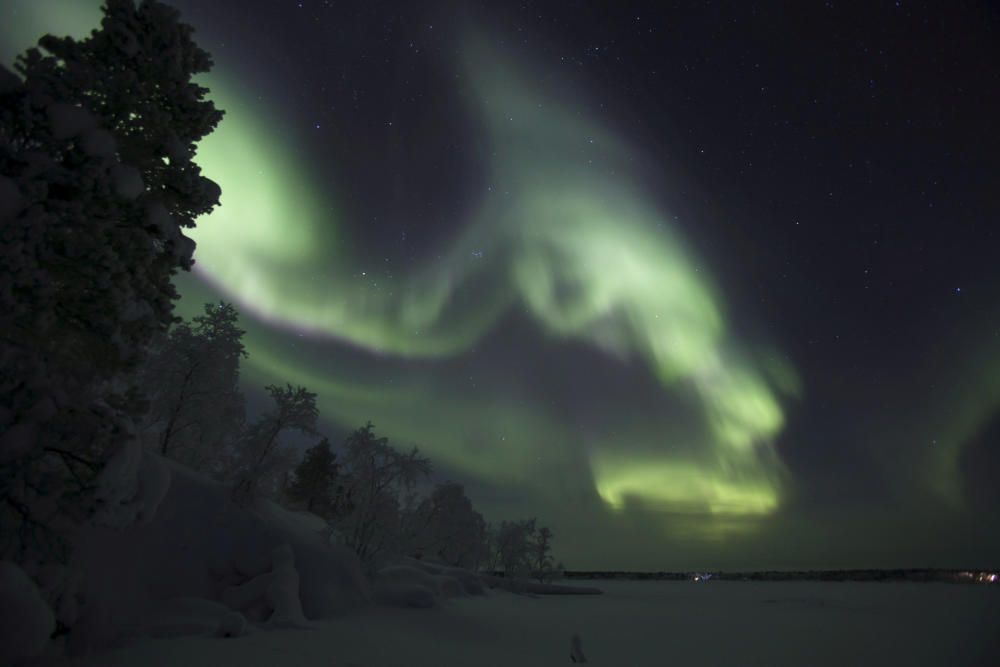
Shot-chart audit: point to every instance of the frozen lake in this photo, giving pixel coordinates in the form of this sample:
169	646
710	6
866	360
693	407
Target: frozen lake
634	624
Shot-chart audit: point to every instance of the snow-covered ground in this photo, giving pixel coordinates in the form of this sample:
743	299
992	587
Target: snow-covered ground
183	572
633	624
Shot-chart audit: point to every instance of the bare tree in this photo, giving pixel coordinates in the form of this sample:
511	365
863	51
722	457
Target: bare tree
512	542
259	454
192	381
521	549
542	564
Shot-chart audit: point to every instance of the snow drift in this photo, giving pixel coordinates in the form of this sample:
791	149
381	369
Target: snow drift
197	546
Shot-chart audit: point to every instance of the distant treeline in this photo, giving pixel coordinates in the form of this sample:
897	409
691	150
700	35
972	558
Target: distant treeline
925	575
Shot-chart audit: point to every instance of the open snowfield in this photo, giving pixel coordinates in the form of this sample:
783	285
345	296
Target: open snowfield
634	624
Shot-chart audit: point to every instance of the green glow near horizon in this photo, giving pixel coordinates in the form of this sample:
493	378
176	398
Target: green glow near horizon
683	487
570	238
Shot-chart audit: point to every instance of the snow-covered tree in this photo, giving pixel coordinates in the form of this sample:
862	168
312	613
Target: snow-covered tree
377	480
521	549
512	544
446	527
542	564
261	459
97	180
192	381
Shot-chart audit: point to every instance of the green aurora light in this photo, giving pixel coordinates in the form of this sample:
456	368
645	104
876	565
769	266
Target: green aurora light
571	240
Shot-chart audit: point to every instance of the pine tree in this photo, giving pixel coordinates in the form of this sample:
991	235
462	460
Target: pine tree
314	483
97	180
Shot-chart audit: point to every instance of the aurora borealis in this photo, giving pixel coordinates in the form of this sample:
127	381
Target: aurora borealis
591	268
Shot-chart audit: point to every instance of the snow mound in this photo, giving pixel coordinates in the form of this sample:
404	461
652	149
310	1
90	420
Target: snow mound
197	545
471	582
183	617
272	595
233	624
417	583
397	594
405	586
131	486
404	574
450	587
283	593
27	619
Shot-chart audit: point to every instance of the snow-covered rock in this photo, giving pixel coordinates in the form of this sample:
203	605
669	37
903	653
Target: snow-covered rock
271	595
283	593
131	486
27	622
118	480
249	597
197	538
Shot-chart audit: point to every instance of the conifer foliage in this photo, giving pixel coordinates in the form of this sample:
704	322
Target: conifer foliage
97	180
314	485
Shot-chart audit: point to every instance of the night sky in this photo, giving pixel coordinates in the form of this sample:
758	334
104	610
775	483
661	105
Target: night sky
700	285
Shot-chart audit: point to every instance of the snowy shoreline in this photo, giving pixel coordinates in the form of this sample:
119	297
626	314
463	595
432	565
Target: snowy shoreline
632	625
